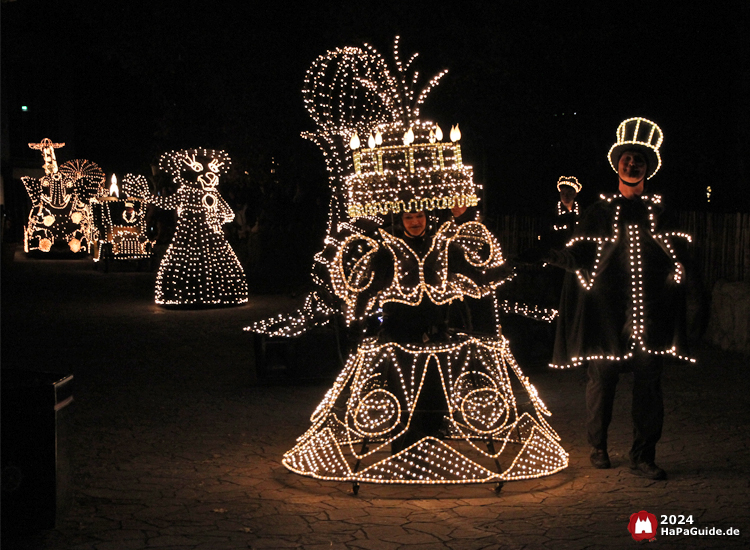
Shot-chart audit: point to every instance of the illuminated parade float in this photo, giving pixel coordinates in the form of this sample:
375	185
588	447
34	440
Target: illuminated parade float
418	401
120	222
199	268
60	217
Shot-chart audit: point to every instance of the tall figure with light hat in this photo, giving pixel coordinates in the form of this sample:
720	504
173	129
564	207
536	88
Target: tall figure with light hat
624	311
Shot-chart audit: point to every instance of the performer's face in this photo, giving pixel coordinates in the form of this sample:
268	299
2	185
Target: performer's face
567	194
632	167
414	223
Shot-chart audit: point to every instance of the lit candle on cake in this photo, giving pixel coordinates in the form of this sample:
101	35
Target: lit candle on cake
455	137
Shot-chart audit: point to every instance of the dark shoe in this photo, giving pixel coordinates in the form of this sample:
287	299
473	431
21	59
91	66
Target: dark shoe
600	459
648	470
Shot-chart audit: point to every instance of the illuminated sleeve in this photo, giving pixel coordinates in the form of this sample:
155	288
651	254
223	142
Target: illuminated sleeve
352	273
225	212
579	254
476	260
170	202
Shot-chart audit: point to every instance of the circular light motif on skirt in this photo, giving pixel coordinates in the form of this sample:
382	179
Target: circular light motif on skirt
377	413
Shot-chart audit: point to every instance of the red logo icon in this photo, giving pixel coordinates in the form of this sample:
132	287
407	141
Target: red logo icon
642	526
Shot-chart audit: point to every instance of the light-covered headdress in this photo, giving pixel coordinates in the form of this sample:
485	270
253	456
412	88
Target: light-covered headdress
572	181
638	134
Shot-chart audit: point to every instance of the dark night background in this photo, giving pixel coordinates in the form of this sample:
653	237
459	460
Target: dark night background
537	87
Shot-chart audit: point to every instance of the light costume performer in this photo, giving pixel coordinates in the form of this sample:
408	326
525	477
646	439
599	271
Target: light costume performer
199	268
60	217
566	217
605	315
425	408
623	303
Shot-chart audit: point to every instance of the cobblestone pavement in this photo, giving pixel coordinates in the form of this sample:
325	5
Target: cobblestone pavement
175	446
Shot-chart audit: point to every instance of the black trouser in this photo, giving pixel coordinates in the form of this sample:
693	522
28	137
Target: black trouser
647	405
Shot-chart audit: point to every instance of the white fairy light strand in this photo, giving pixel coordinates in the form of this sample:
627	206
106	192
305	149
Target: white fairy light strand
633	239
484	427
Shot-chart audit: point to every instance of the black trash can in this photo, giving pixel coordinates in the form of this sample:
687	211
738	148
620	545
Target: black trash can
36	477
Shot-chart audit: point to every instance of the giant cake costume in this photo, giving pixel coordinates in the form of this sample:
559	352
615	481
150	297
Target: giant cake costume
413	406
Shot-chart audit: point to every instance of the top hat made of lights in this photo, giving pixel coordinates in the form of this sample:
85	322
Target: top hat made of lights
571	181
638	134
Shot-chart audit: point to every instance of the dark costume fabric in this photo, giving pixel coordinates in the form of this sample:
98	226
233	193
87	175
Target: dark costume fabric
626	293
622	309
564	224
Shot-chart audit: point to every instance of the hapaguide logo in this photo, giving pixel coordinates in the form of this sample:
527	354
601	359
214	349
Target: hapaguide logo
642	526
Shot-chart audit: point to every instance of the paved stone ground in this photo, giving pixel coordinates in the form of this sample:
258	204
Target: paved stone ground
175	445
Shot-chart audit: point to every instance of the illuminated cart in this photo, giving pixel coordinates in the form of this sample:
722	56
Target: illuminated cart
120	223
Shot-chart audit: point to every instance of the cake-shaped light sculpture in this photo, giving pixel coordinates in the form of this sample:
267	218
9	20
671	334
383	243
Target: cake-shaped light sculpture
357	97
411	160
199	268
438	407
60	216
120	220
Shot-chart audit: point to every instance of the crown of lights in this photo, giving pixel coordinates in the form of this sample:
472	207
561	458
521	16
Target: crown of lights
195	162
408	160
352	92
572	181
404	155
639	134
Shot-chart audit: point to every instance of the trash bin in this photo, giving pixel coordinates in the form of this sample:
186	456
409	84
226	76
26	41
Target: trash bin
36	477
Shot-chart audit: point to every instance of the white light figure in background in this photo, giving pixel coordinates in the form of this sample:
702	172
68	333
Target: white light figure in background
199	268
438	408
120	221
60	214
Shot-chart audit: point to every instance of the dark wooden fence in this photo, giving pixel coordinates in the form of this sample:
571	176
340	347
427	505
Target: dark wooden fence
720	247
721	244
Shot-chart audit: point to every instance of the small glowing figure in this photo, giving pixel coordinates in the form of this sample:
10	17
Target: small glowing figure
199	268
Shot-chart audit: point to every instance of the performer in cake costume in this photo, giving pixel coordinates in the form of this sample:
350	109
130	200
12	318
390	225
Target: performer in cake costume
199	268
417	401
